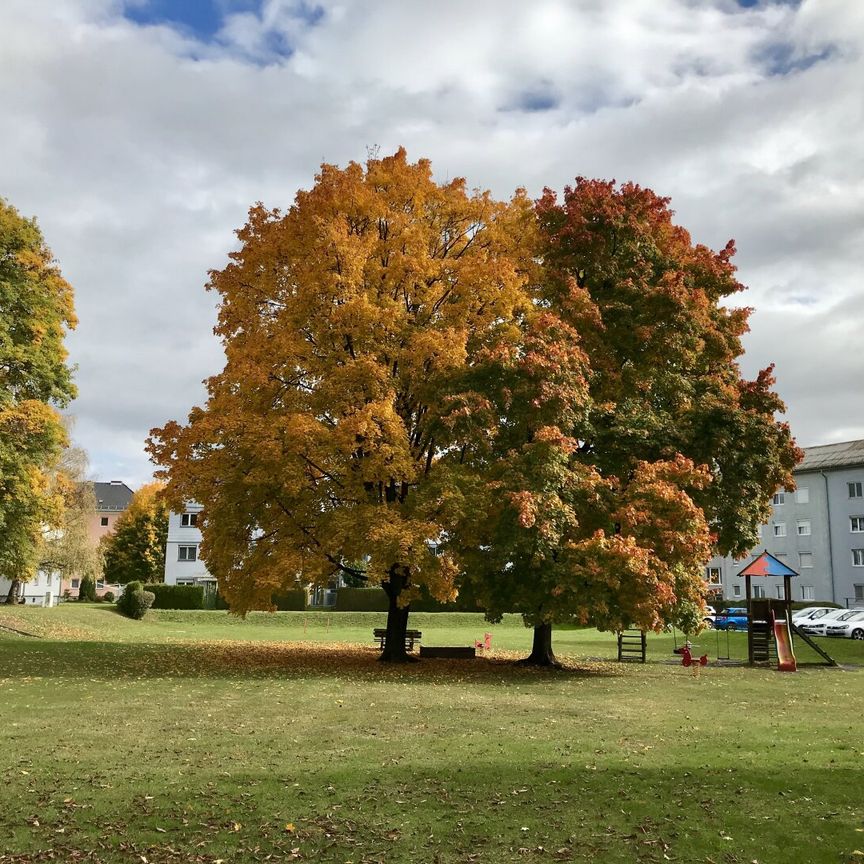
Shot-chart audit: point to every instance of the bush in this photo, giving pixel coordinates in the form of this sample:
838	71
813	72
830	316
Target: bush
135	601
176	596
87	590
108	597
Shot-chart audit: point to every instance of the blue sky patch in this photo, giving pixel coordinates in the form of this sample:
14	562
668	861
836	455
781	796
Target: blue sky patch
201	19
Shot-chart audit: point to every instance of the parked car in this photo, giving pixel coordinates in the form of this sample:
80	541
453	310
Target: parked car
816	626
850	628
731	619
710	615
812	613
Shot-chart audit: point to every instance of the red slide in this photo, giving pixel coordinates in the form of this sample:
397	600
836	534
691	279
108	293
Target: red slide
785	655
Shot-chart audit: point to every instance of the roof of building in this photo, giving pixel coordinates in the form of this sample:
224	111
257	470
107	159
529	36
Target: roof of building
114	495
847	454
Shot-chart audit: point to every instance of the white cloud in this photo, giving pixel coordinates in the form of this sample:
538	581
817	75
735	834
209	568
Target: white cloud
140	150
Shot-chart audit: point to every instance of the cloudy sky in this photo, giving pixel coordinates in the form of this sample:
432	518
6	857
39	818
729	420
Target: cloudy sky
140	132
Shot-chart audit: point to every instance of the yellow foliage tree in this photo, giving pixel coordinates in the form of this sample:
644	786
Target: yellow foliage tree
349	323
36	310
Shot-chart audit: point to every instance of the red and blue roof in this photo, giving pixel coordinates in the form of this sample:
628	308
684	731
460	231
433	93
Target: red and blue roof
767	565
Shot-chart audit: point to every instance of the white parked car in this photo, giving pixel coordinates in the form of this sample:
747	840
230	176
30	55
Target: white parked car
710	615
812	613
816	626
850	628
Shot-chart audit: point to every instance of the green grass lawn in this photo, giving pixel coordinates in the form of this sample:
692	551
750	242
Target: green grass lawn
193	736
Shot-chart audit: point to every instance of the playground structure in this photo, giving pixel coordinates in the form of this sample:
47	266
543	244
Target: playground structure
769	634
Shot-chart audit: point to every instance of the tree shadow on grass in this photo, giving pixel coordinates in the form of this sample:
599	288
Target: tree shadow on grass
236	659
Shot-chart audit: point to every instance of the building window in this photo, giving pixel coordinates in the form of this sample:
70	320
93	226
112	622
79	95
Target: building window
802	495
856	524
100	584
803	527
858	557
805	560
187	553
859	592
808	592
189	520
103	521
855	490
75	583
779	529
781	556
758	591
779	499
185	581
712	575
736	590
779	591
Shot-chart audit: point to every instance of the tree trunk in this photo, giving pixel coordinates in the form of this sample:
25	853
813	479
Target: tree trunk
541	651
12	596
397	618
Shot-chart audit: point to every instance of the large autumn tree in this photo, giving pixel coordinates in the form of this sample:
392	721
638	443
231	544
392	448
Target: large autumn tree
675	456
348	324
135	550
36	311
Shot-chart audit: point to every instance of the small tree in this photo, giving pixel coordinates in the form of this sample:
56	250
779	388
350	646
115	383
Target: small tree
87	590
135	549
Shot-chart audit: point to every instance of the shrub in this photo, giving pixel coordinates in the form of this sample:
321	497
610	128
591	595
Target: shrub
108	597
87	590
176	596
135	601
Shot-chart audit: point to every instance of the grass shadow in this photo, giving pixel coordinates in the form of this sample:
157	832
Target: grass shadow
235	659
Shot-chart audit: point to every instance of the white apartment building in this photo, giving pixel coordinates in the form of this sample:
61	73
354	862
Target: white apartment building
183	564
817	530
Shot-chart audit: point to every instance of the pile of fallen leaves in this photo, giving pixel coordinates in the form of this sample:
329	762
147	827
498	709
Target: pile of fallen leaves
42	627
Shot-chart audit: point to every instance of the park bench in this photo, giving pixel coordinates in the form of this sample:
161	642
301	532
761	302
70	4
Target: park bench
411	636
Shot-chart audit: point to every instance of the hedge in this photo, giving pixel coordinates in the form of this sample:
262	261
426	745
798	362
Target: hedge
290	601
176	596
375	600
361	600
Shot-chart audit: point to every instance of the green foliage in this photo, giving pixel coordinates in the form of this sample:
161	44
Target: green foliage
87	590
375	600
108	597
135	550
135	601
176	596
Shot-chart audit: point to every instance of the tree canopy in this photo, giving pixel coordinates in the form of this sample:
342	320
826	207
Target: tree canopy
36	311
135	550
548	392
611	517
347	323
67	546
